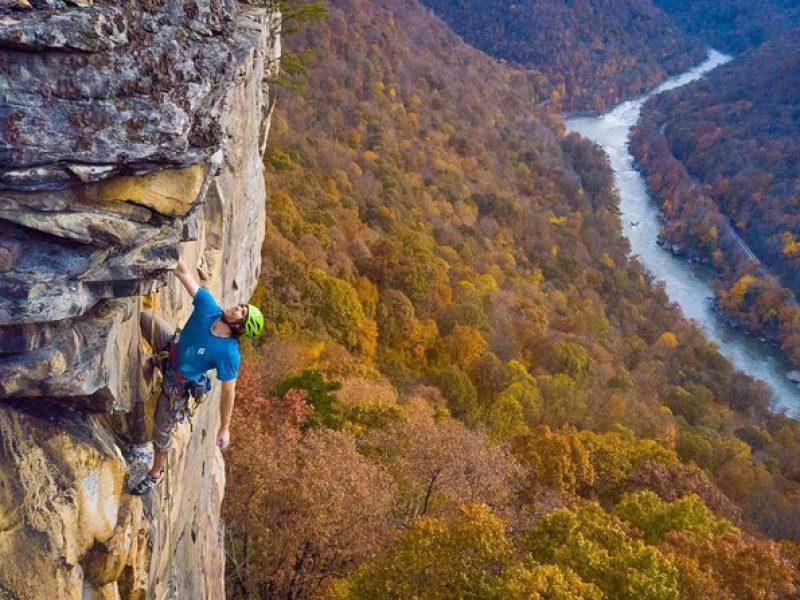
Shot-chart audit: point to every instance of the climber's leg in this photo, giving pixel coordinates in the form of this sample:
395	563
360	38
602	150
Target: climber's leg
153	325
162	441
158	333
163	423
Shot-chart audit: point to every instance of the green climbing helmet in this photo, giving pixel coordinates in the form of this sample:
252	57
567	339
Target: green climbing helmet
254	324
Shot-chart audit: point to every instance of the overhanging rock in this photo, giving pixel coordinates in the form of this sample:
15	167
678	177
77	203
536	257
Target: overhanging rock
91	363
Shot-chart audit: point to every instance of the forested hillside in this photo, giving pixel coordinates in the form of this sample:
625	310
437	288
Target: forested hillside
597	51
734	25
469	389
729	146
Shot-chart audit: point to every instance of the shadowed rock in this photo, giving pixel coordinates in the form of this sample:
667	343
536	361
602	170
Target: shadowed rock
92	362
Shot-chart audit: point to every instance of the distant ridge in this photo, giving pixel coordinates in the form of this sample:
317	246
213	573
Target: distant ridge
600	50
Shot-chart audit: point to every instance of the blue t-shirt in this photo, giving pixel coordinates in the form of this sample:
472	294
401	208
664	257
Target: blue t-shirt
199	350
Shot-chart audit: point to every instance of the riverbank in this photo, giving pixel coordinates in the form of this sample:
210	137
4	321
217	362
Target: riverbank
690	284
748	294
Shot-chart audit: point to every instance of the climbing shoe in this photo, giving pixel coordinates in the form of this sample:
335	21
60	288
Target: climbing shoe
146	485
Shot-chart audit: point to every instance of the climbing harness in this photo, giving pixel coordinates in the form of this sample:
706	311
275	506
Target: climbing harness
180	390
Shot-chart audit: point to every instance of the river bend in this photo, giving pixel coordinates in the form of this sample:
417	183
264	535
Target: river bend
687	284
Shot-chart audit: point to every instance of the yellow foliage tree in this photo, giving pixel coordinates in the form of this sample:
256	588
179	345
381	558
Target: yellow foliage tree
548	582
735	296
463	346
667	340
436	559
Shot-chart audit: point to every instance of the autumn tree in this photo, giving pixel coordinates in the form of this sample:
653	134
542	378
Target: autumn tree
673	480
414	181
655	518
741	566
292	522
437	559
547	582
436	463
599	548
556	460
517	406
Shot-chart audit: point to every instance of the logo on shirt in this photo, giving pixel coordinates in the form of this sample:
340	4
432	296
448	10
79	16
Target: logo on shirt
201	350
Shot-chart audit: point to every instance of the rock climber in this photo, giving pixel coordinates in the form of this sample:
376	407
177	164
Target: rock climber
209	340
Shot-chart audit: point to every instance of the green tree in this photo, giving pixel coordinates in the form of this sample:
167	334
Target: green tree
516	407
600	549
505	418
615	457
437	559
327	412
564	400
656	518
569	358
458	389
295	16
340	309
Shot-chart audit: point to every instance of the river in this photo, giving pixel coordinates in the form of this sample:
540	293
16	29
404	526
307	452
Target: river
687	284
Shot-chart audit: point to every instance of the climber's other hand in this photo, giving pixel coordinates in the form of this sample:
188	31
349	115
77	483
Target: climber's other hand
223	438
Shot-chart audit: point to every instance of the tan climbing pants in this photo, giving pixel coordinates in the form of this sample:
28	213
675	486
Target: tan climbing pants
164	420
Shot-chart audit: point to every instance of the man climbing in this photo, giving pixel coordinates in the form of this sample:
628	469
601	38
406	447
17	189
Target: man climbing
209	340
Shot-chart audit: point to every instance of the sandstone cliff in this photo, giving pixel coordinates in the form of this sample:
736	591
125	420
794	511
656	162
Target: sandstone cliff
130	133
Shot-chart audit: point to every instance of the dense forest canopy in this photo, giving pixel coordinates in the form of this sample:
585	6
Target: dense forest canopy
469	388
734	25
598	51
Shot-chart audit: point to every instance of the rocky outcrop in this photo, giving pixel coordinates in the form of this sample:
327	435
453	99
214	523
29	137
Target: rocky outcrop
130	133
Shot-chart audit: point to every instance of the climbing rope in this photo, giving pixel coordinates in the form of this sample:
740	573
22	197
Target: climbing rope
159	356
173	578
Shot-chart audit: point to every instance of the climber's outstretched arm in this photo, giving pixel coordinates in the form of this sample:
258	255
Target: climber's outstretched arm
186	278
225	412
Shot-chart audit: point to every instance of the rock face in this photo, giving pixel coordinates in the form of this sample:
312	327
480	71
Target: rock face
130	133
